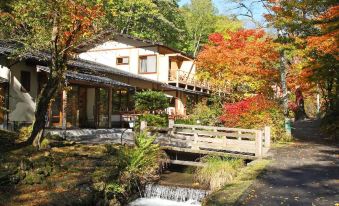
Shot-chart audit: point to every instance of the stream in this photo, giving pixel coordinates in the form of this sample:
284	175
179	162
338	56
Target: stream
177	187
161	195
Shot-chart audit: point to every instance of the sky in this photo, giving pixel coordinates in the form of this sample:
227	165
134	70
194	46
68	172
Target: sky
227	8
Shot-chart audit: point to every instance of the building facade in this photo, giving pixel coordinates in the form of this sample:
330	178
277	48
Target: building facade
153	61
101	84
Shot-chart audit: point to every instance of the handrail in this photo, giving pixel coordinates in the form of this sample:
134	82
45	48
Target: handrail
255	140
212	127
181	76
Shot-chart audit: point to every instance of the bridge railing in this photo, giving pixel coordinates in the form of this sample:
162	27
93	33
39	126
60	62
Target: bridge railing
235	140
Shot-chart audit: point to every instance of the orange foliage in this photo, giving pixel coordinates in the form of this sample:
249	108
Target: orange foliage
327	43
246	58
81	18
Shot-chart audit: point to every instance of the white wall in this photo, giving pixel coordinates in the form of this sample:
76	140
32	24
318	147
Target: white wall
22	104
107	53
4	71
187	65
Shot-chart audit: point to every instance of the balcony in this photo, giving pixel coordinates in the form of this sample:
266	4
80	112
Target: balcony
187	80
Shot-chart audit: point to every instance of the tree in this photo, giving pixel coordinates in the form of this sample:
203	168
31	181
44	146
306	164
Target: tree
151	101
311	27
54	26
323	58
242	65
200	18
157	20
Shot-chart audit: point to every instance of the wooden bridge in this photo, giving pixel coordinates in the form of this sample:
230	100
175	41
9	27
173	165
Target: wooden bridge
205	140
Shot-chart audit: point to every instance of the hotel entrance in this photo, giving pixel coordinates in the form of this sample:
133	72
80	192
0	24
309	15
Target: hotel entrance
85	107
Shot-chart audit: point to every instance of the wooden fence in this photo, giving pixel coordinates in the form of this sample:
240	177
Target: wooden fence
221	139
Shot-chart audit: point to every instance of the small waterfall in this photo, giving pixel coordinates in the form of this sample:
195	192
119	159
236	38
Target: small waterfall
177	194
160	195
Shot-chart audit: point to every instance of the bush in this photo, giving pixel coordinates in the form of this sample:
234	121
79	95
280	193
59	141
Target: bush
207	115
136	165
151	101
154	120
256	113
25	132
188	121
218	171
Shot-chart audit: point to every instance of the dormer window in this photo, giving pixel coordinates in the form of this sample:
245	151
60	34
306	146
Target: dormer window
122	60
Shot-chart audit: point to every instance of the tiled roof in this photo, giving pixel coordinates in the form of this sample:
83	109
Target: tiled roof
71	75
89	67
111	34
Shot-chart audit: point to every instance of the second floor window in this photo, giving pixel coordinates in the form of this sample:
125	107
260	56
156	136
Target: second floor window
148	64
25	81
122	60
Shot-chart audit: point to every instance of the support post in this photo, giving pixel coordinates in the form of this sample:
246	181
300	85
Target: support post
170	123
258	143
143	125
267	137
110	107
77	120
239	133
177	78
195	142
63	111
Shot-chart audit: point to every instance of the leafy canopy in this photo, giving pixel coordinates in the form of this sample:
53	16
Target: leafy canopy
201	19
241	65
155	20
31	22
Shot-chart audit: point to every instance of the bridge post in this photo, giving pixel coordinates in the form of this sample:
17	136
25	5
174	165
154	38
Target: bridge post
267	137
143	125
195	142
170	123
258	143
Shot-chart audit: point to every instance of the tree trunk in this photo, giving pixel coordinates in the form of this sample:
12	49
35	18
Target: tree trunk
44	100
283	73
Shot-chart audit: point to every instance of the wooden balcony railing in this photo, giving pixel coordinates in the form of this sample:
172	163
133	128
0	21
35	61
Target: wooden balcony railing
186	78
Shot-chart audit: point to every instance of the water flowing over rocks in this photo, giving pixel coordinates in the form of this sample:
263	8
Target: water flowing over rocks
161	195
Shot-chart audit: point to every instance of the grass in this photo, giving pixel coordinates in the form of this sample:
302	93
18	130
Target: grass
218	171
230	193
65	173
60	175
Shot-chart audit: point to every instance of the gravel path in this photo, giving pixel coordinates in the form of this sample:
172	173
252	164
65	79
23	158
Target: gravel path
304	173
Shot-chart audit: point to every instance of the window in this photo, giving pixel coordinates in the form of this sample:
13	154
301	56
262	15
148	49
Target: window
122	60
25	81
148	64
122	101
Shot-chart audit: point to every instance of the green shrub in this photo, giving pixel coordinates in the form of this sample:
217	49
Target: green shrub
155	120
25	132
151	101
206	114
45	143
136	165
218	171
188	121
